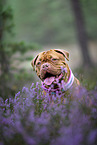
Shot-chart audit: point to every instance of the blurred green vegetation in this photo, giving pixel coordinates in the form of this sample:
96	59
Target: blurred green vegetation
51	21
87	77
13	80
32	23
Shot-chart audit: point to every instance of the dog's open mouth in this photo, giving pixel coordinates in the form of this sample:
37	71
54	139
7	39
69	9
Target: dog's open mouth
50	78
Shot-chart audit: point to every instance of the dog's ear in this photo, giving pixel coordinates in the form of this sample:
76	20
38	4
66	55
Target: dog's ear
63	52
33	62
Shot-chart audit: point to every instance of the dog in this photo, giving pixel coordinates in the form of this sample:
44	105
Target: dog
54	72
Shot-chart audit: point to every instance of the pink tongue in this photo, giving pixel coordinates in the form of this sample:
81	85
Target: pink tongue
48	81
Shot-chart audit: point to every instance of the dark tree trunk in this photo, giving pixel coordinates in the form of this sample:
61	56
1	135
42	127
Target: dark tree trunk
81	31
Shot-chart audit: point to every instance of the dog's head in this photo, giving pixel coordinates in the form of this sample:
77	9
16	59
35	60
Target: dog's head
48	65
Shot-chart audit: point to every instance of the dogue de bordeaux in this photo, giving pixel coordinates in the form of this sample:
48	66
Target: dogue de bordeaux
56	76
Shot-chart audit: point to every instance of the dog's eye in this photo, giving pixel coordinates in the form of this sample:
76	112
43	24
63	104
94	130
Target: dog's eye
54	59
39	63
64	63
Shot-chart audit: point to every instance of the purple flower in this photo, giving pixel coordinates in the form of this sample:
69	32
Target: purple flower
25	89
1	143
32	86
17	95
92	137
44	119
63	70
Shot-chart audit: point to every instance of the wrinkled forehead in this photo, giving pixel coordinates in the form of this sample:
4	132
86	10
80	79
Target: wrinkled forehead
49	54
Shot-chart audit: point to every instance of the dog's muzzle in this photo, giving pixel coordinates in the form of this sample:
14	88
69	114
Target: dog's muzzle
48	75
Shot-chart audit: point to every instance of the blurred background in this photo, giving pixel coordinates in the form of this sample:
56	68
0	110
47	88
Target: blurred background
29	27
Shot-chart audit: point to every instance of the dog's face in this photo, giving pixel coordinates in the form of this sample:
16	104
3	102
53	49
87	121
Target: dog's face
48	65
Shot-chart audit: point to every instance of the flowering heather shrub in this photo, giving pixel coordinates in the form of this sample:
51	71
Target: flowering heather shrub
31	119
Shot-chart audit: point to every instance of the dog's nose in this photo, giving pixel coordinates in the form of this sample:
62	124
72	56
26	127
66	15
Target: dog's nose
45	65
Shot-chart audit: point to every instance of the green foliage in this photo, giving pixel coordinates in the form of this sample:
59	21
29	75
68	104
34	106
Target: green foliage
21	47
88	77
8	80
51	21
7	18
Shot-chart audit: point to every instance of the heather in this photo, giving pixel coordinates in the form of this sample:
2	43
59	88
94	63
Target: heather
31	118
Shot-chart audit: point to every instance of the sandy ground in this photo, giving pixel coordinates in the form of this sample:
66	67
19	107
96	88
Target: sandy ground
74	51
